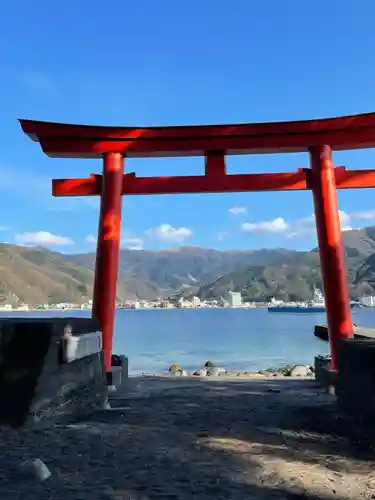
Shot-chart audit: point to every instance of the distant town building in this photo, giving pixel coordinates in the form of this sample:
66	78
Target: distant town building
24	307
368	300
165	304
234	299
196	301
6	307
275	302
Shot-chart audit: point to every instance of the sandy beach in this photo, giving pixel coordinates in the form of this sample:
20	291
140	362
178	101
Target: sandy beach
190	438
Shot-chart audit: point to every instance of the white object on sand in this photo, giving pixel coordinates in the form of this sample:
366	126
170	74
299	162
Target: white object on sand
106	405
37	469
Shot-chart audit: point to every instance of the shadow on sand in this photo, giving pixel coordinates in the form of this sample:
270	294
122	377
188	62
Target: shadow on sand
200	439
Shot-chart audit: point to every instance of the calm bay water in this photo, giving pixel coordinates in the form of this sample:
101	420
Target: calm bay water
239	339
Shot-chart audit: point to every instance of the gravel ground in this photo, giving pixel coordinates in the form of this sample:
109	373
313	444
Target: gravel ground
199	439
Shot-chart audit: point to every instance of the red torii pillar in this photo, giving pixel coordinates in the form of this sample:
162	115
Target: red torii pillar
108	248
331	250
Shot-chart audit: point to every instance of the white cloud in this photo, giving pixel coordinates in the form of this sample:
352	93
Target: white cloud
132	243
345	221
366	215
278	225
166	232
237	210
307	225
43	238
302	227
91	239
223	235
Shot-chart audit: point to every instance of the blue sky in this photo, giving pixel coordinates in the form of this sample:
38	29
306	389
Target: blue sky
172	63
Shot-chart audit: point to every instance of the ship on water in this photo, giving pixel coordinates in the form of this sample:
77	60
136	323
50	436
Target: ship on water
315	305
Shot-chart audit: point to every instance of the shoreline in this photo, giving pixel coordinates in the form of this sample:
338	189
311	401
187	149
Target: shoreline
212	370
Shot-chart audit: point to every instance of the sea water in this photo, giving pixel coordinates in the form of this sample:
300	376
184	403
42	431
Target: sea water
238	339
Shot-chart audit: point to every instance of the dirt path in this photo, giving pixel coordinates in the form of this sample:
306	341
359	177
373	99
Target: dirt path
200	439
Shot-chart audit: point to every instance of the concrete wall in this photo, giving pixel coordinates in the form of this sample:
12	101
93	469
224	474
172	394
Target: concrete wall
37	388
355	388
322	368
119	374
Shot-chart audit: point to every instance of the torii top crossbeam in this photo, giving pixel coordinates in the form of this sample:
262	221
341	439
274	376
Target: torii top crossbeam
86	141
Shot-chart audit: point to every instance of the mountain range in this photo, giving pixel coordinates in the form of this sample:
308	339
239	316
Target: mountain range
37	275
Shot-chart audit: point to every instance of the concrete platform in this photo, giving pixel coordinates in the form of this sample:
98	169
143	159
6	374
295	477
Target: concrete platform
321	331
324	375
355	386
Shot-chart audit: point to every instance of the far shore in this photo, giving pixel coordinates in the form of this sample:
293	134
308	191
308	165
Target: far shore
75	309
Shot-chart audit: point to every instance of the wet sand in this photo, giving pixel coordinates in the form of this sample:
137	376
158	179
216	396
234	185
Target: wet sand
188	438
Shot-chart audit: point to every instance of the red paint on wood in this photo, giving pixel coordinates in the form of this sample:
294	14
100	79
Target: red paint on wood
108	247
91	186
66	140
132	185
331	249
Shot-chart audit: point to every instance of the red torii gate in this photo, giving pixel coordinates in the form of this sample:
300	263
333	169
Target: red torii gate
214	142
